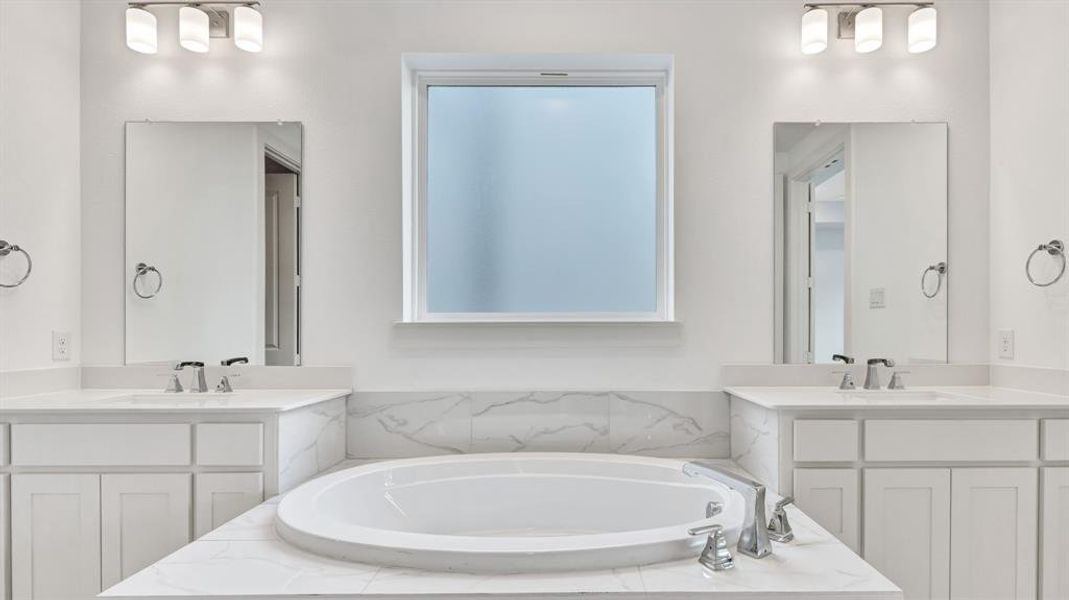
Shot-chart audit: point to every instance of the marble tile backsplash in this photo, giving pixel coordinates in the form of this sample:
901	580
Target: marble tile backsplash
409	424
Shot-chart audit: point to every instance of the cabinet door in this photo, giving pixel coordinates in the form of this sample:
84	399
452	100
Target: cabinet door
55	536
223	496
907	529
4	520
1054	584
830	497
993	545
144	517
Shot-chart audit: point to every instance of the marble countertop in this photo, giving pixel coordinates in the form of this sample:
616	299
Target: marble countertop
138	400
245	557
973	397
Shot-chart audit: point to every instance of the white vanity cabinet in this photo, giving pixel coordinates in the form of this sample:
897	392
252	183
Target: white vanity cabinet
1054	550
143	517
954	503
907	528
55	535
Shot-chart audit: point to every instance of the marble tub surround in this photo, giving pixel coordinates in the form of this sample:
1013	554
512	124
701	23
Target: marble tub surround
411	424
99	401
311	439
245	557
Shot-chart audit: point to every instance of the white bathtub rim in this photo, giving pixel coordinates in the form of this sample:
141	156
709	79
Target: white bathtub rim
302	529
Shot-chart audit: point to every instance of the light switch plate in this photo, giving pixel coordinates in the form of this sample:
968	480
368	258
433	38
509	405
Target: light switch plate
61	345
878	298
1005	343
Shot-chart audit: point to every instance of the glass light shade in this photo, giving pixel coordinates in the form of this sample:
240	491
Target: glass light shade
248	29
922	30
814	31
193	29
140	30
868	30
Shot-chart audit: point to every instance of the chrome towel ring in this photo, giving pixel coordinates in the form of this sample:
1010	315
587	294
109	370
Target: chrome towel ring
140	271
1054	248
940	270
6	249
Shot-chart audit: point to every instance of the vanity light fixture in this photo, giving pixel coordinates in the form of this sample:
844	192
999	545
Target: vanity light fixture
868	30
863	23
140	30
198	22
922	29
193	29
815	31
248	29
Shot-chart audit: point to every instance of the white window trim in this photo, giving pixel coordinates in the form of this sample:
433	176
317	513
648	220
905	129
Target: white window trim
421	71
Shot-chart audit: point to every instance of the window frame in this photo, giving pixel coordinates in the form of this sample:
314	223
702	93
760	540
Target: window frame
414	213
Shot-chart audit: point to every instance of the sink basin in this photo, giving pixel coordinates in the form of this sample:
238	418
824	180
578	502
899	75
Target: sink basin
203	399
898	396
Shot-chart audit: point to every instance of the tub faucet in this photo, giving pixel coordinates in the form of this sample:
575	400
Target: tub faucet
198	384
753	539
872	375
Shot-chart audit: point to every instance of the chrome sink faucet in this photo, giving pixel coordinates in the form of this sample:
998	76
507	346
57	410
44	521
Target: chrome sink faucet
224	386
872	374
753	538
847	382
198	384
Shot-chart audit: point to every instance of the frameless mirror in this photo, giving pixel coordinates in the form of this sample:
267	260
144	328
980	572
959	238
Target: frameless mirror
212	242
861	242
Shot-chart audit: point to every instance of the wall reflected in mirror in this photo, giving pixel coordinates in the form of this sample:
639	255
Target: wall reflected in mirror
861	242
212	242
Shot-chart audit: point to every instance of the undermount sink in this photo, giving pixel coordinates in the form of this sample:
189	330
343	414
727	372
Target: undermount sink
187	397
898	396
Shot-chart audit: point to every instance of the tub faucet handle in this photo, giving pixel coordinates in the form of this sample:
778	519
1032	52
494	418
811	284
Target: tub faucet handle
779	528
716	555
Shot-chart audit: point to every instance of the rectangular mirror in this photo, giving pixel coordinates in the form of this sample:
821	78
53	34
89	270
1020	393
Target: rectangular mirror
213	223
861	242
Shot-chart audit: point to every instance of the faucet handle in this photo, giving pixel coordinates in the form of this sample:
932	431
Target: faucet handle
716	555
174	386
224	386
779	528
847	382
896	381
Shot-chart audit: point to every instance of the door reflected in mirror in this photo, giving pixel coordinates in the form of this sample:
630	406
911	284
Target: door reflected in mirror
213	242
861	242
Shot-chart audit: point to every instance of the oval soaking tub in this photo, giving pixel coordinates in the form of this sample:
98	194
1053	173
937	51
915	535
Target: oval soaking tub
507	513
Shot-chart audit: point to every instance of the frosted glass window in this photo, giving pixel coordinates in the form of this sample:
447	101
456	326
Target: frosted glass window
541	199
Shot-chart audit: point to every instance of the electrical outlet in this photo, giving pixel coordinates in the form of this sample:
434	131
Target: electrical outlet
877	298
61	345
1005	343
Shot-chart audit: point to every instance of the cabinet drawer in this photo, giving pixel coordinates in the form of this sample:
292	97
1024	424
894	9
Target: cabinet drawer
4	443
230	444
1056	439
100	444
827	441
938	440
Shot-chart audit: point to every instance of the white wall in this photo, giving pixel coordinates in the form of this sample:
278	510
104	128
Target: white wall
1029	175
336	65
39	178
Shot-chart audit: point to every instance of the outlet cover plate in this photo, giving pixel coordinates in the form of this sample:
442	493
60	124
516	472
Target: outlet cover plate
1005	343
61	345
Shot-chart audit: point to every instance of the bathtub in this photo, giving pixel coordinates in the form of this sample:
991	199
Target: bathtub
507	513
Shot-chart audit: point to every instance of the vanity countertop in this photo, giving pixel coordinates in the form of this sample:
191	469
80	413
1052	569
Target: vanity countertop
245	557
140	401
949	397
